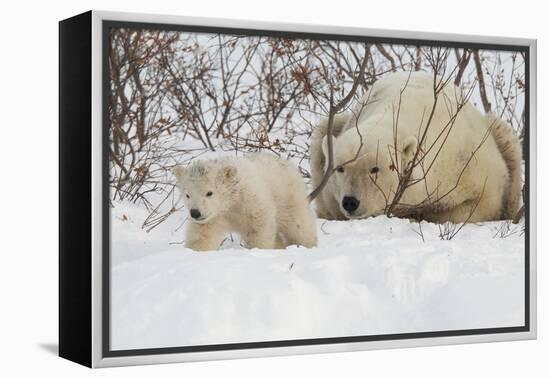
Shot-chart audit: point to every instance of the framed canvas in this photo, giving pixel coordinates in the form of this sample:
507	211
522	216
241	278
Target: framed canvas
235	189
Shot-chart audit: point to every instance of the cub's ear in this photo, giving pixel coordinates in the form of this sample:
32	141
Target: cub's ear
410	145
178	171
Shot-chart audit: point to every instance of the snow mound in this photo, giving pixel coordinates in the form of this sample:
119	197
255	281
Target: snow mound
366	277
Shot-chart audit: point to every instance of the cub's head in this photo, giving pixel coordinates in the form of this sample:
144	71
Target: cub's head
205	187
366	177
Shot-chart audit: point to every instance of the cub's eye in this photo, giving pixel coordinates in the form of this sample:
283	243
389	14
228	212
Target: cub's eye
374	170
340	169
187	195
209	194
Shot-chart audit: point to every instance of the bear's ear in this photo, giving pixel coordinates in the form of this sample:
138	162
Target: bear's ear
178	171
410	144
229	173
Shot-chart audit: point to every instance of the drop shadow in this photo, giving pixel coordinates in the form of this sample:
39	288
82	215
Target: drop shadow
51	348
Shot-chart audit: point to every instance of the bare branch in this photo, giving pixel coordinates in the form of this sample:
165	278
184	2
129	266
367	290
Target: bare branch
335	108
386	55
481	80
462	63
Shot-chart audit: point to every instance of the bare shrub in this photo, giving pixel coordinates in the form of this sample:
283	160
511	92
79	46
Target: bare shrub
177	96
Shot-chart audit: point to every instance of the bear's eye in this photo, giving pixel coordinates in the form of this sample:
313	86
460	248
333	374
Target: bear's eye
340	169
374	170
209	194
187	195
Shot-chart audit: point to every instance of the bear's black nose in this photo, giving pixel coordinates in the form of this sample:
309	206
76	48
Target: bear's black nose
350	204
195	213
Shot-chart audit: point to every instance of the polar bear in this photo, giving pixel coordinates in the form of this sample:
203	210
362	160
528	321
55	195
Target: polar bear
470	168
261	197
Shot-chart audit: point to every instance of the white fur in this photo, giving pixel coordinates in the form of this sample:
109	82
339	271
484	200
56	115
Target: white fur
260	197
469	180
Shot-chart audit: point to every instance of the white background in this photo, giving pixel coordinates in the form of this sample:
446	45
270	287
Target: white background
28	201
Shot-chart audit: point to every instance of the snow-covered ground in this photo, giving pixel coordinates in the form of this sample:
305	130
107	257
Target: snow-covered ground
372	276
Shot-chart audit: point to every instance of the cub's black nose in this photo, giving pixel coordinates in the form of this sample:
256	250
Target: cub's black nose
195	213
350	204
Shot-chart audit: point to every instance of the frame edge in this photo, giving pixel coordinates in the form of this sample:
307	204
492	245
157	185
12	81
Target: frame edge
75	271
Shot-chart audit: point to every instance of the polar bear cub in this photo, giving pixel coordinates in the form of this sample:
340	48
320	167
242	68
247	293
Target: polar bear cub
261	197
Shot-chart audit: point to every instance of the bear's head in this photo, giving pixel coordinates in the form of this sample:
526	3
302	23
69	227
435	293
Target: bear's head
205	187
366	173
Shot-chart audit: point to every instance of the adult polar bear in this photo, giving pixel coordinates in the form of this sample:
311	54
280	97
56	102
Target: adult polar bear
471	163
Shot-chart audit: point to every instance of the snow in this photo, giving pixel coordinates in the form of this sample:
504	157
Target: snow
366	277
